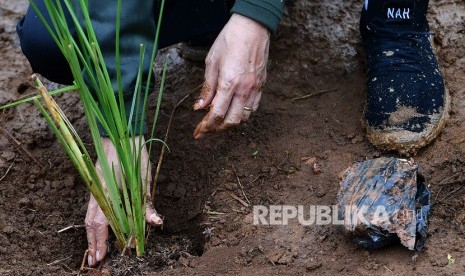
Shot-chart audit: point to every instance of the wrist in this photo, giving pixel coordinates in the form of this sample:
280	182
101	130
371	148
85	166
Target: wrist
249	24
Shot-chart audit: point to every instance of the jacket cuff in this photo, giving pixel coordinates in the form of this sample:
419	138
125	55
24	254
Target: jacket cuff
266	12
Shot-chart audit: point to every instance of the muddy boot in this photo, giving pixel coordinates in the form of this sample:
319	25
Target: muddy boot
407	103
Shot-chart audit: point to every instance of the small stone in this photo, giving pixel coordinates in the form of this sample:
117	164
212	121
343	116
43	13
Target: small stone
313	265
273	171
193	262
24	201
280	257
8	229
56	184
8	155
357	139
31	186
215	241
69	181
183	261
230	186
286	259
227	175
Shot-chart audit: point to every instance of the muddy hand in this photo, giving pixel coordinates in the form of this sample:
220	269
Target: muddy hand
96	222
234	75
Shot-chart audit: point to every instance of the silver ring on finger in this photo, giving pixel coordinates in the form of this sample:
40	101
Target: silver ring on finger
247	109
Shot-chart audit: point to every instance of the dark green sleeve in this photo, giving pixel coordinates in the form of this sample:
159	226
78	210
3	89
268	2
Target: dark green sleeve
267	12
137	27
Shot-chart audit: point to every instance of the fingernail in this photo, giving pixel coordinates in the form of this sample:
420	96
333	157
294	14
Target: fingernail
155	219
199	104
98	255
89	260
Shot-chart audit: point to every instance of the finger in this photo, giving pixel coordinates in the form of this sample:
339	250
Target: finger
248	107
257	101
200	129
208	91
101	235
238	103
90	231
220	104
152	217
236	110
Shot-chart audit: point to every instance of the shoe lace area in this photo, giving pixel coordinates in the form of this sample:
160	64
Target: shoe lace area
404	52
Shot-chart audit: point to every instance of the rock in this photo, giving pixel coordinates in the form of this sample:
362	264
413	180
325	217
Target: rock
230	186
357	139
24	201
280	257
56	184
227	175
313	264
31	186
273	171
8	229
274	257
8	155
285	259
69	181
183	261
215	241
41	205
193	262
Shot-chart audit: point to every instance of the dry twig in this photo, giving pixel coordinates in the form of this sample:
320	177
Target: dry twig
9	168
163	149
83	263
240	200
240	185
20	147
314	94
451	193
58	261
71	227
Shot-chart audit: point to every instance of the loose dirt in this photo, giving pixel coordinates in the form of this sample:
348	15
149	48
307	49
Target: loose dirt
208	230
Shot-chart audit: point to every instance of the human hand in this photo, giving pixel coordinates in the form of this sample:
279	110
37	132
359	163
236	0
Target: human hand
234	75
96	222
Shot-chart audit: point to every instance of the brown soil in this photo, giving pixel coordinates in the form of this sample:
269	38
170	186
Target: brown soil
317	48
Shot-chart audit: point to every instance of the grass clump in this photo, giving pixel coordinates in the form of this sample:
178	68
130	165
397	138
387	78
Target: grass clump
121	195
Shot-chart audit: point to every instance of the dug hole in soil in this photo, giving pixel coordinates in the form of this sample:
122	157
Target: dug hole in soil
207	187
